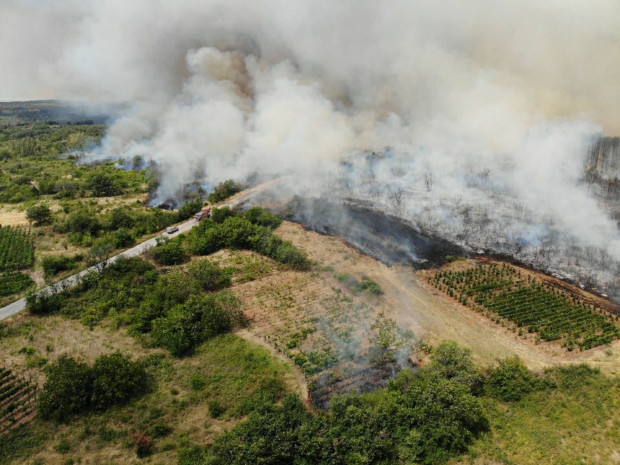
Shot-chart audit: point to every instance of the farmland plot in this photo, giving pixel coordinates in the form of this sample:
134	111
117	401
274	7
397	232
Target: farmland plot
17	400
16	248
503	294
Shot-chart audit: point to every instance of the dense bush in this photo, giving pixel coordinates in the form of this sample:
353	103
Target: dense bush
44	303
454	362
54	265
73	387
189	208
200	318
103	184
116	379
235	231
67	390
225	190
263	217
219	215
209	275
511	380
39	214
122	238
169	253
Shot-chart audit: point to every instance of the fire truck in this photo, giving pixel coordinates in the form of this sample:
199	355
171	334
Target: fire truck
202	214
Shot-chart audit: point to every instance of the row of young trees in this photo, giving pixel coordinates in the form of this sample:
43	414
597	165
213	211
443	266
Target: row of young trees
537	307
16	248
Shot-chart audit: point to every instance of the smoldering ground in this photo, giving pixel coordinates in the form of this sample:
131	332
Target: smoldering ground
488	108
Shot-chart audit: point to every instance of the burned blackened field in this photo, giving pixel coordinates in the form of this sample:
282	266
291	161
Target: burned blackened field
387	238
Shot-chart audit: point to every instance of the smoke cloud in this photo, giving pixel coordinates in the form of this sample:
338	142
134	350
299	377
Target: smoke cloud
488	108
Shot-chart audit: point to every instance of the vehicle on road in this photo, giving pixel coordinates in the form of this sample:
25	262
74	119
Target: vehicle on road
171	229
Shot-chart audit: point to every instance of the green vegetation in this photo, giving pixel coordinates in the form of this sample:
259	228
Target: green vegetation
197	320
73	387
14	282
39	214
54	265
227	229
236	376
224	190
423	417
169	252
511	380
16	248
575	421
538	307
172	308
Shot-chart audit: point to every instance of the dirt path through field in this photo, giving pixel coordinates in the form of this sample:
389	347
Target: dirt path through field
433	316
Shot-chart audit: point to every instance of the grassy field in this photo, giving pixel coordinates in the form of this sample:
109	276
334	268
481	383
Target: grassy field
576	424
191	400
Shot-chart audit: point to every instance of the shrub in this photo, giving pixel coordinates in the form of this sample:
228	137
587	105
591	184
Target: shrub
263	217
54	265
73	387
511	380
216	409
103	185
225	190
219	215
452	361
143	444
116	380
290	255
39	214
40	303
189	208
67	390
122	238
159	430
199	319
82	221
210	276
371	286
169	253
197	382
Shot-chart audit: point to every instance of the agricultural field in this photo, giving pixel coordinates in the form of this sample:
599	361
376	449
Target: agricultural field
13	283
16	248
527	305
17	400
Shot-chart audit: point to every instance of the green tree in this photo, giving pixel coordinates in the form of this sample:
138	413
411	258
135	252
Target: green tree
116	380
67	390
39	214
210	276
189	208
511	380
103	185
169	253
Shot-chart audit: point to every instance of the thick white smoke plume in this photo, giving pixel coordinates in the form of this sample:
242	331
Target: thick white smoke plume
488	107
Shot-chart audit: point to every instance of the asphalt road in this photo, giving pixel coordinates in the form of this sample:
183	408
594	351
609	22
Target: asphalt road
71	281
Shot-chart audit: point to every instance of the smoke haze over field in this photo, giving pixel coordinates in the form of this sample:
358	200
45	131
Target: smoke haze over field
488	107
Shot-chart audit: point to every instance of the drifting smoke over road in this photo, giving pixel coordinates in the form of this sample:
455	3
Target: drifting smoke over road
488	107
